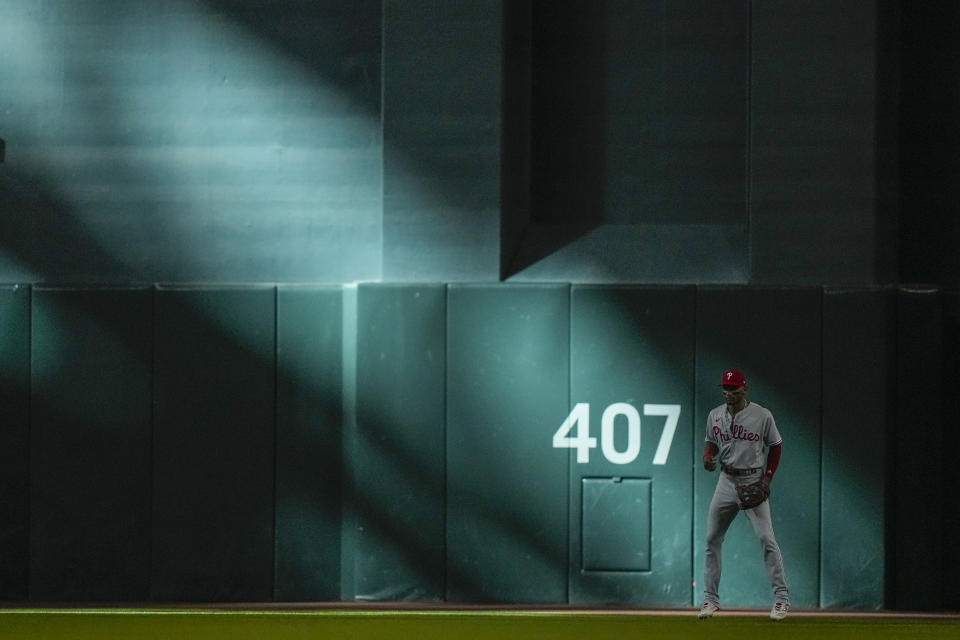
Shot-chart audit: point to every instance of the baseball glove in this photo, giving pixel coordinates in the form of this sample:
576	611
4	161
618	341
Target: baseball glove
753	494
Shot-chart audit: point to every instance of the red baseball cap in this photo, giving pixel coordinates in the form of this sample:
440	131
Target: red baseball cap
733	378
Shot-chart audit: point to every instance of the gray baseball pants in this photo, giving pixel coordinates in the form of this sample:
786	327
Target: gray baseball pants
723	509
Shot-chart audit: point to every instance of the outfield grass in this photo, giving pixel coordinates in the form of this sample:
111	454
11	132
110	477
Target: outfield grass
149	624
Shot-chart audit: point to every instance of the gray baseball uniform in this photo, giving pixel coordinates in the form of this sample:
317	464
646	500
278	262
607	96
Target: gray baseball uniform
742	440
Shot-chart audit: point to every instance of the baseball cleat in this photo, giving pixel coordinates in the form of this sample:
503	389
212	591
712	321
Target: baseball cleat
707	610
779	611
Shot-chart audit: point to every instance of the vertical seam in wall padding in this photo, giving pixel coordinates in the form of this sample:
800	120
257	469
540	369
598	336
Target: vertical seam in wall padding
276	426
29	452
349	406
749	142
821	456
446	443
891	588
693	466
570	490
151	491
443	474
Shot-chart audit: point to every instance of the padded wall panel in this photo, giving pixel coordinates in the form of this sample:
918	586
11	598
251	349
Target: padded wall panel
951	472
399	457
858	351
918	570
90	444
635	345
309	416
773	335
213	514
14	440
507	392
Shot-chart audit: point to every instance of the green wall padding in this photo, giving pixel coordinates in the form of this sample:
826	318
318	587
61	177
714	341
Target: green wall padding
208	443
858	349
14	440
773	335
91	444
635	345
917	441
213	515
950	507
398	461
309	421
507	392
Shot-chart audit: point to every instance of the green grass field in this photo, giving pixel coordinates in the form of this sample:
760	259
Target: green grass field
210	624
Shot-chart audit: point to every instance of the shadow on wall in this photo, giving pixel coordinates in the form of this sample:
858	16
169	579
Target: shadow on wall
44	238
210	542
636	123
115	213
555	102
431	85
336	50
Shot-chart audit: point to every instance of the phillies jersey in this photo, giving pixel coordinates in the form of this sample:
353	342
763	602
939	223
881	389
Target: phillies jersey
743	437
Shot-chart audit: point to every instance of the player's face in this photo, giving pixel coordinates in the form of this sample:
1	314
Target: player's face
733	395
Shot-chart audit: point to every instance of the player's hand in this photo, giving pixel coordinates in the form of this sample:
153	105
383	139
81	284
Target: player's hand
709	462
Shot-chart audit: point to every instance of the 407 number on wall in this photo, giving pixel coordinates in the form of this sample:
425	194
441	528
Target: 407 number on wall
579	422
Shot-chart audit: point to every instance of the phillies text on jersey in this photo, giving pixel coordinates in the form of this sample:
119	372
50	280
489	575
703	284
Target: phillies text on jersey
743	437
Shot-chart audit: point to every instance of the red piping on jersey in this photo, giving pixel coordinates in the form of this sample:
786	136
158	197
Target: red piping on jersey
773	459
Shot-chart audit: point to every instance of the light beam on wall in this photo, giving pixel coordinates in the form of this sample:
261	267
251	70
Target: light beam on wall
186	147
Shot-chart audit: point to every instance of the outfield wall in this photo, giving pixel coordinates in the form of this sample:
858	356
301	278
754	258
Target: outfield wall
396	442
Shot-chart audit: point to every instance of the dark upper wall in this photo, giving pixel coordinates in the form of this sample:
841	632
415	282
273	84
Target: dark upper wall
929	134
693	141
703	141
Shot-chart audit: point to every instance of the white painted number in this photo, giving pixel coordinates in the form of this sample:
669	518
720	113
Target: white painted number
672	411
633	433
582	442
580	416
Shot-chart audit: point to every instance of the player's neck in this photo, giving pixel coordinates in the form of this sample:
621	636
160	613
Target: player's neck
737	408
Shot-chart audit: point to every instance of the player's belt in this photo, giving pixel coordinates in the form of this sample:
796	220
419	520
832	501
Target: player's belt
739	472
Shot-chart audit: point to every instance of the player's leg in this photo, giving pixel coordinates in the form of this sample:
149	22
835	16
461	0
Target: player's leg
723	509
762	523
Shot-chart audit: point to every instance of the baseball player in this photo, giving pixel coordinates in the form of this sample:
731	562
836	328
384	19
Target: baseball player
738	431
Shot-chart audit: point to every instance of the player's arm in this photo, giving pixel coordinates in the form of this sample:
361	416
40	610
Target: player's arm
773	461
775	443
